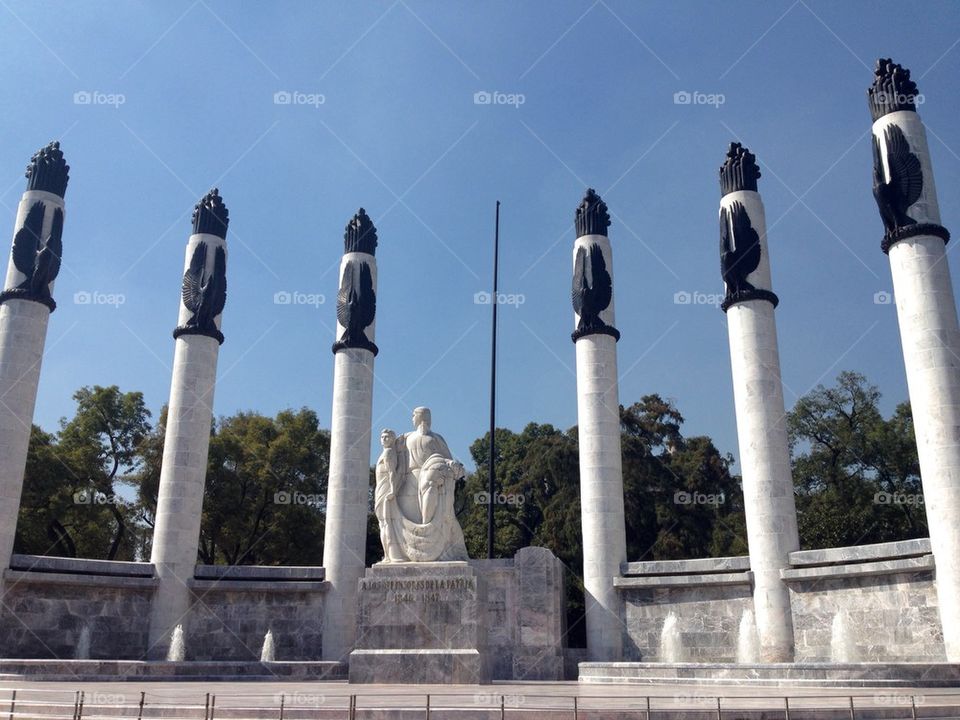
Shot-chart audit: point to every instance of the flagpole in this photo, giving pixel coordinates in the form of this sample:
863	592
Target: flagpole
492	463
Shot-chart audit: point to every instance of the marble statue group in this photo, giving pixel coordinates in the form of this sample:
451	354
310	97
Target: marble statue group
416	483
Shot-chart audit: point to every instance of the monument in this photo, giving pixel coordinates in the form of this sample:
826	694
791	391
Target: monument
25	306
426	613
915	241
598	417
183	473
758	394
416	484
422	615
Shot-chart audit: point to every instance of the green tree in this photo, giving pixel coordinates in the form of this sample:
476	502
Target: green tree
46	502
265	488
680	499
856	474
73	502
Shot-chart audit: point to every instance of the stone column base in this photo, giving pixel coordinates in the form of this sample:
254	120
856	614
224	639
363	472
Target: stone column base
421	623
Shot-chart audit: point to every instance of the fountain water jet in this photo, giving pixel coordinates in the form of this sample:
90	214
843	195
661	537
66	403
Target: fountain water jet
843	649
671	646
177	651
268	652
82	651
748	643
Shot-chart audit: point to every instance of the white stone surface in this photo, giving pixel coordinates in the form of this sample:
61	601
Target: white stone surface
926	310
23	333
344	540
23	330
182	478
418	467
931	351
764	453
601	478
183	472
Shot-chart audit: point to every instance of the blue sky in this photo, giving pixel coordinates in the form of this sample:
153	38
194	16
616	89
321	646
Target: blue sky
384	117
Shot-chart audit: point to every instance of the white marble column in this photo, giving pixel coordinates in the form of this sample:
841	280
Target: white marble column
927	314
598	420
176	533
758	395
24	313
348	487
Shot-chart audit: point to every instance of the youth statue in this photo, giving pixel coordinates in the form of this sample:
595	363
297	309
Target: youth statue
413	502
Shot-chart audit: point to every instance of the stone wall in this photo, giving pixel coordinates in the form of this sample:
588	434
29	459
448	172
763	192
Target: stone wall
707	596
884	594
47	603
526	614
233	608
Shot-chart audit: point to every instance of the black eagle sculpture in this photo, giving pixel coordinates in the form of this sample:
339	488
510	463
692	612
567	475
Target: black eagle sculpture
38	259
905	186
592	292
204	293
739	251
356	307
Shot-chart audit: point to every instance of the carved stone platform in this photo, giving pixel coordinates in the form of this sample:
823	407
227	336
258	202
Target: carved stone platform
421	623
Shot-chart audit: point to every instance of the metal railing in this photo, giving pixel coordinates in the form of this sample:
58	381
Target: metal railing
318	700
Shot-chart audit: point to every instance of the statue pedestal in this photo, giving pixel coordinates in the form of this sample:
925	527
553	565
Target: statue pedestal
421	623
